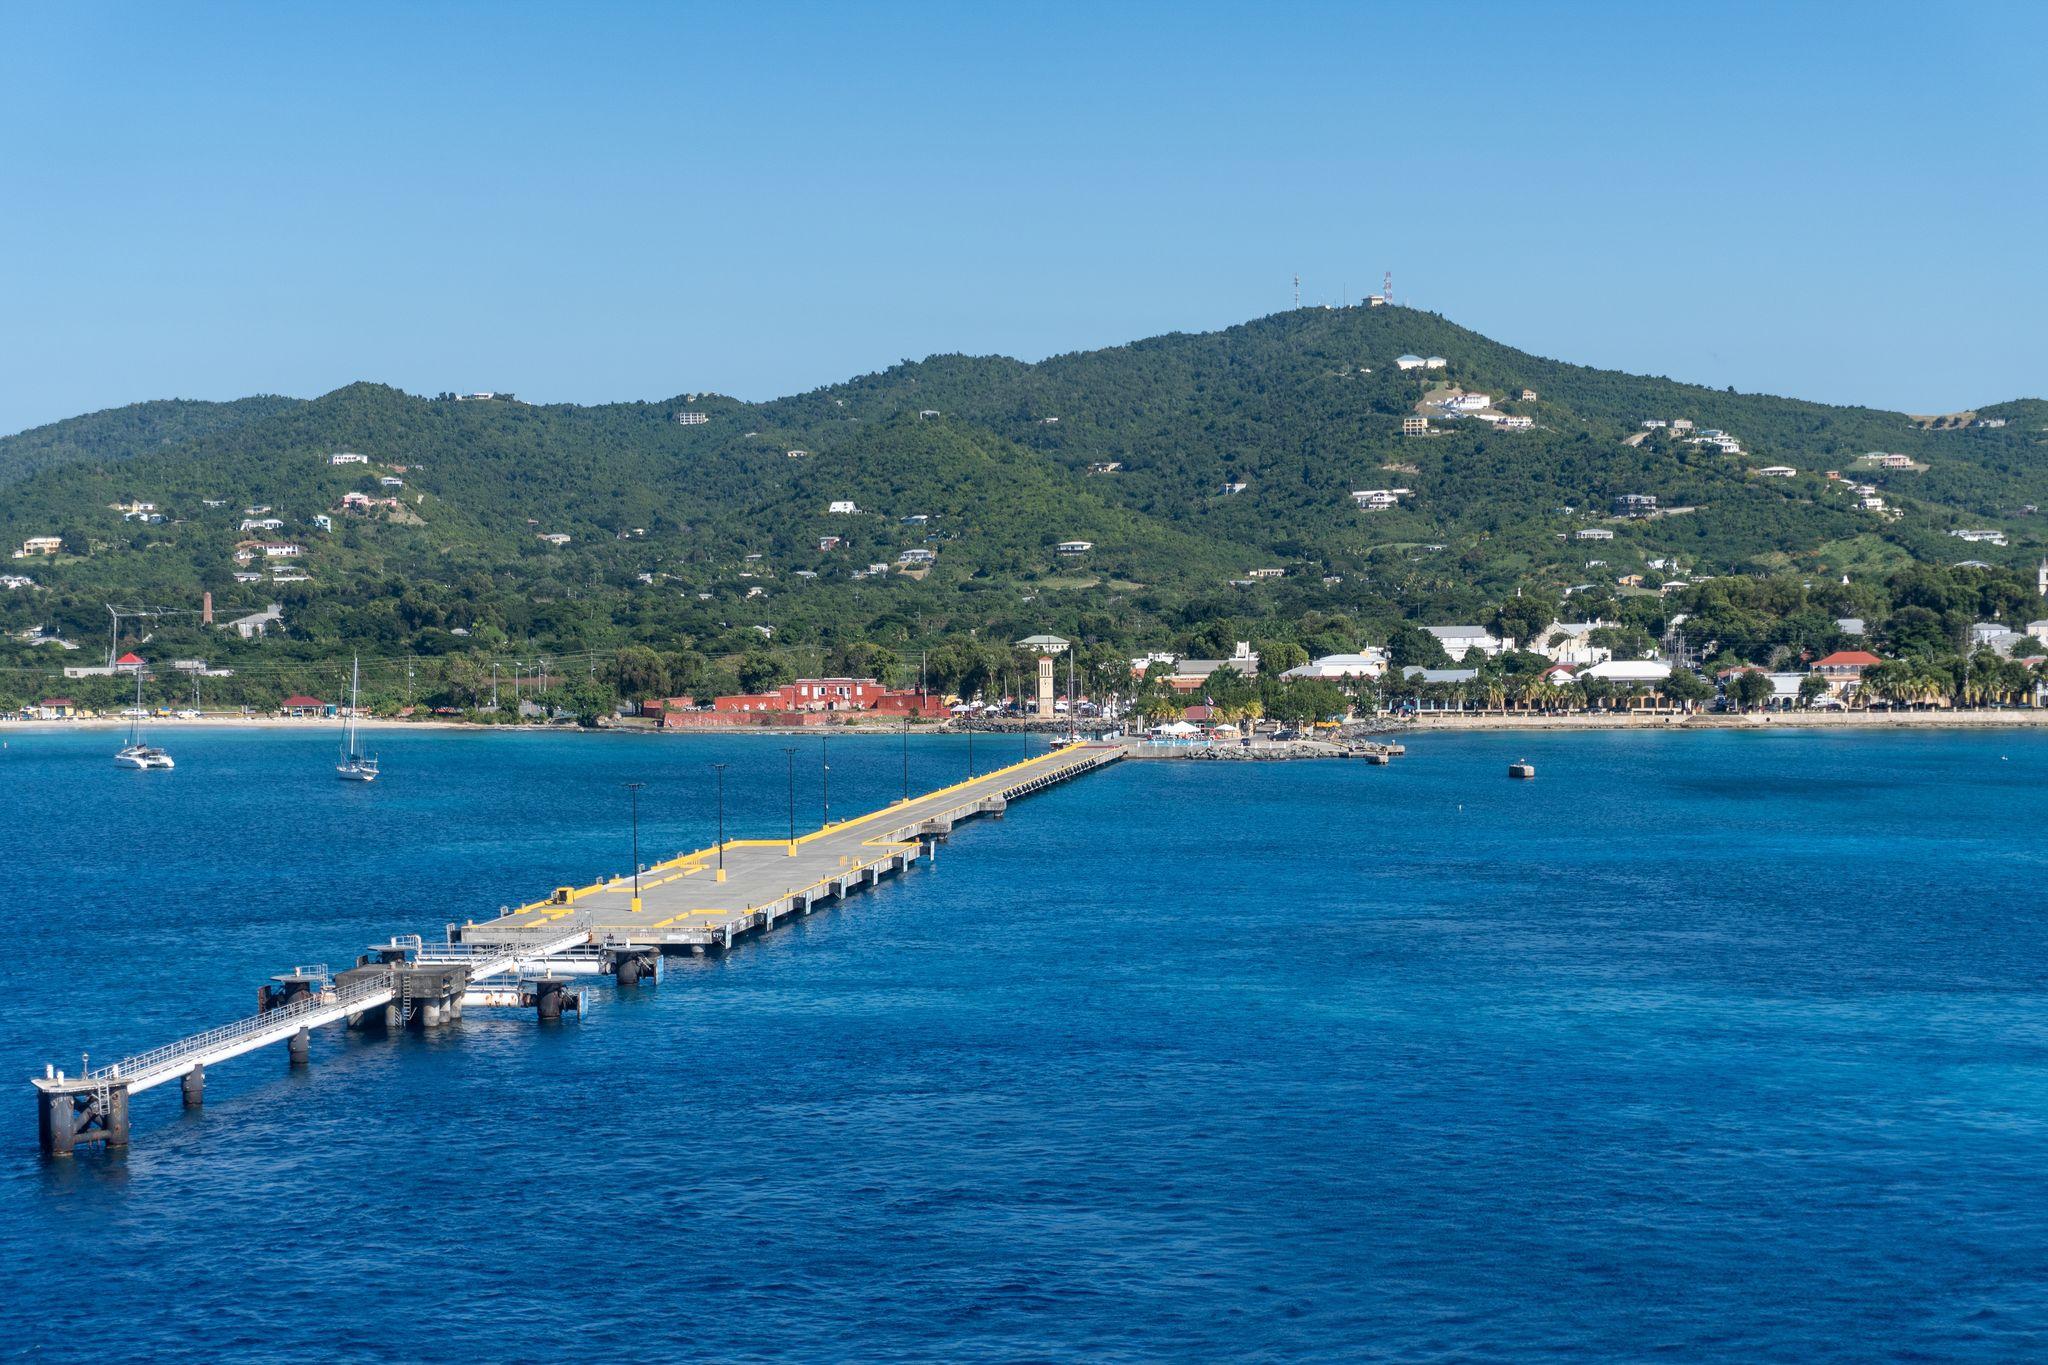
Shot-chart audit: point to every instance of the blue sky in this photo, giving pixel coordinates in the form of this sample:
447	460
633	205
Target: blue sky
587	203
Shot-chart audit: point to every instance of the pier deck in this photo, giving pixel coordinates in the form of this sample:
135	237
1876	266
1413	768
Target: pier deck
697	902
684	905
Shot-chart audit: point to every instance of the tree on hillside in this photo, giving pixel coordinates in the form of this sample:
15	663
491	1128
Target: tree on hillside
860	659
1411	646
638	672
760	670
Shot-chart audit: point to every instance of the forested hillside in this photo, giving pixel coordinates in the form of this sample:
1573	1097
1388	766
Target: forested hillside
123	433
1180	472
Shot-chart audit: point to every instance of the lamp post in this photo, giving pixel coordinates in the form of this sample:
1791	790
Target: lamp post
720	769
825	773
790	750
906	755
634	788
970	751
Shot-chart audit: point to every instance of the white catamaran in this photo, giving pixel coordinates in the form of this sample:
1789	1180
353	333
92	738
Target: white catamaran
136	753
355	765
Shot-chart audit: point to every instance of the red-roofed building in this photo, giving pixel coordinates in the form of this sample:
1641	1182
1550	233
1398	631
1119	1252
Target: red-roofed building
302	706
809	696
1846	665
56	708
131	662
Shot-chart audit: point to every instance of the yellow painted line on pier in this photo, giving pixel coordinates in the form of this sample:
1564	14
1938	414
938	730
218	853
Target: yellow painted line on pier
697	861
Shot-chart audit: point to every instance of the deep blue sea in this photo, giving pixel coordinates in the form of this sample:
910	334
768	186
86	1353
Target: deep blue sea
1708	1046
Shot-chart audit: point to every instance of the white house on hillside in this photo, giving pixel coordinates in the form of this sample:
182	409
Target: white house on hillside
1458	641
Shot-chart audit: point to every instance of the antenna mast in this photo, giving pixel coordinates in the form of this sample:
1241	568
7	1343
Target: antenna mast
1387	288
1297	291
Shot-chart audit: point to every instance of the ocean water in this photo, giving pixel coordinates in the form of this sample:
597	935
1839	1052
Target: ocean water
1711	1046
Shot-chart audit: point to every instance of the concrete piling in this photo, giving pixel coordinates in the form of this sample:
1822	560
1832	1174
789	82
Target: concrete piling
114	1122
195	1087
56	1123
300	1047
68	1119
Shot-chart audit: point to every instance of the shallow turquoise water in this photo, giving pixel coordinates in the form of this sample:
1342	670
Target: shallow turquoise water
1708	1046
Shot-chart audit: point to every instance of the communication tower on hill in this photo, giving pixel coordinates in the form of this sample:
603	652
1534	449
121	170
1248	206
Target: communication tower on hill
1387	287
1297	291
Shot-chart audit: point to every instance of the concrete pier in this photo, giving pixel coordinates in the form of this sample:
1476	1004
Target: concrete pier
528	957
682	907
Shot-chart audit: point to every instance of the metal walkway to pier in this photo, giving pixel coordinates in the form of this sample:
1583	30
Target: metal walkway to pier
524	957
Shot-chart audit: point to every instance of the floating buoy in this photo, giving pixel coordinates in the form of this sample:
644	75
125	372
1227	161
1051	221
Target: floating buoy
1521	770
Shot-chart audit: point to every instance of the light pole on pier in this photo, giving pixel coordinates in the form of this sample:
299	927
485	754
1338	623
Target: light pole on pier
634	788
825	773
970	750
790	750
720	769
906	755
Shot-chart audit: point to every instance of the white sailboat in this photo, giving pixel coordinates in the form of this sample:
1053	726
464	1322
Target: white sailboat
137	753
355	765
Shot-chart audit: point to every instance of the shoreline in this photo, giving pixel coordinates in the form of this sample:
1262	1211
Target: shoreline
1763	720
317	723
1379	729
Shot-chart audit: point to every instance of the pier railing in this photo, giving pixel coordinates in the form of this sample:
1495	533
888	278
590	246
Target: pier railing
170	1056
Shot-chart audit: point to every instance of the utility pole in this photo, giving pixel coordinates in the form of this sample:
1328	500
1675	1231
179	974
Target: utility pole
719	768
494	684
1073	701
825	772
906	755
790	750
634	788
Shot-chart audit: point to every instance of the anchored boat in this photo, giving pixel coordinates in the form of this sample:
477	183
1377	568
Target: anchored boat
355	765
137	753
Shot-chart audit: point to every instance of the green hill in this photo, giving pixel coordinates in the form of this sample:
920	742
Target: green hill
123	433
704	539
